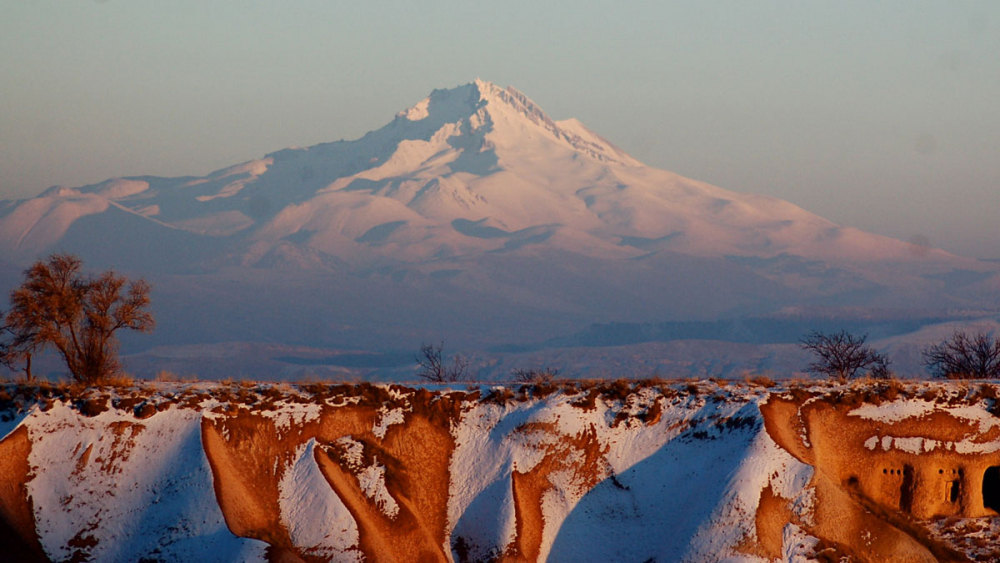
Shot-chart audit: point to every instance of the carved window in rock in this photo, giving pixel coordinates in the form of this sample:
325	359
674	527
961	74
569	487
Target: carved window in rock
952	484
951	491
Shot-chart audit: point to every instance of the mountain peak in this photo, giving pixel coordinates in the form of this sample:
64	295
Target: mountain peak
495	98
483	103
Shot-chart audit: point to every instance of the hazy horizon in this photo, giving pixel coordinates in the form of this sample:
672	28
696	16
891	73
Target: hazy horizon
877	117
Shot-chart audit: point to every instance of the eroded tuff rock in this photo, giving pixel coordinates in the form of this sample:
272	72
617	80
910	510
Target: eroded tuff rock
608	471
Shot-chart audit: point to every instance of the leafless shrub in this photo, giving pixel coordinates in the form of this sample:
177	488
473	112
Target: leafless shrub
844	356
432	366
542	375
880	368
965	356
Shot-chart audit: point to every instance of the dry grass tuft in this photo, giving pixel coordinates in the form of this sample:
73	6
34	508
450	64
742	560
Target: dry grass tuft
118	380
167	376
759	381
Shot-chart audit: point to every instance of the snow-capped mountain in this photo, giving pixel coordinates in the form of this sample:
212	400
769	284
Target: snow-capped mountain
469	170
473	202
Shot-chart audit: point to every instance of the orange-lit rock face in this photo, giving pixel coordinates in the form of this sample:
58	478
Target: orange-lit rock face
405	521
878	467
17	526
925	466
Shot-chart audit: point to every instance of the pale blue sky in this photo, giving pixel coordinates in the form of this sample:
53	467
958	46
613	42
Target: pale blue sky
883	116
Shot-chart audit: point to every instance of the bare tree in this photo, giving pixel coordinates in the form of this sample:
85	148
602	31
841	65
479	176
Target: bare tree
965	356
844	356
78	315
433	368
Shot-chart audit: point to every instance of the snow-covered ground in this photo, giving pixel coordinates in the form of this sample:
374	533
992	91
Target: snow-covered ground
586	471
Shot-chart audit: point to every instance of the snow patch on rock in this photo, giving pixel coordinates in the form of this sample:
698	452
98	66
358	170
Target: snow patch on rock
135	489
316	518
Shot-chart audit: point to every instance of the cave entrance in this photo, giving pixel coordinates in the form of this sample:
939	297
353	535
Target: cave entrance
991	488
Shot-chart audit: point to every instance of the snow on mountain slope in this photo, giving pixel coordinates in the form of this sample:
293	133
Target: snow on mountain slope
473	155
36	225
